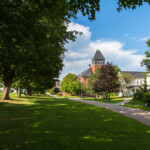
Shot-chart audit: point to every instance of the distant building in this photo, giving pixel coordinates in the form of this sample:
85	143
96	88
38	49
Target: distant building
98	60
57	84
138	81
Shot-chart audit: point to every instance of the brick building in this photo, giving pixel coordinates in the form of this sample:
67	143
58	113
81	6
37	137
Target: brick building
97	61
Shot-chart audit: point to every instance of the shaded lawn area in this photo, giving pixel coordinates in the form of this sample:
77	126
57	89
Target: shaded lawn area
112	99
137	104
45	123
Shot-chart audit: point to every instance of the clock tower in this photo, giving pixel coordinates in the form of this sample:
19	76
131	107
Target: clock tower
98	60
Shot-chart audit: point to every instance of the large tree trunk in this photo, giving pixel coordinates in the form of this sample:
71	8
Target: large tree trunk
7	84
122	93
19	90
19	87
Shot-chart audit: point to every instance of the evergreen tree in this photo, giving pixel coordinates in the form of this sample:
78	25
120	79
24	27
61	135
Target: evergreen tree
90	84
144	87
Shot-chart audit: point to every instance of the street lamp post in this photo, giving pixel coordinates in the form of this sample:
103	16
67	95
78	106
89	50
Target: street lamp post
81	90
109	87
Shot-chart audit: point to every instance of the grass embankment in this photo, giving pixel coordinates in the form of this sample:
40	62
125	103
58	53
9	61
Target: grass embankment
137	104
112	99
45	123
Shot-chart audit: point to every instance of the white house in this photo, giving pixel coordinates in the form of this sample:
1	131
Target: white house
137	81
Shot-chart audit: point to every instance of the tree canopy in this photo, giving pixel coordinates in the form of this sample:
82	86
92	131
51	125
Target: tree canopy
146	61
125	80
107	80
32	38
68	79
131	4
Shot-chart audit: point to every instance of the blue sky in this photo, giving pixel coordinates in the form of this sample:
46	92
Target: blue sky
121	37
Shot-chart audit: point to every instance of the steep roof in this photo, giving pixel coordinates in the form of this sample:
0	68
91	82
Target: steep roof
136	74
86	73
98	55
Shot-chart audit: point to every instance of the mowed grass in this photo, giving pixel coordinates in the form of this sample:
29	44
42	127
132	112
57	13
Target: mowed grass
137	104
45	123
112	99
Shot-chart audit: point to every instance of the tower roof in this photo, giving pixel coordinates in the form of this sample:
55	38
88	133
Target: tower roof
98	55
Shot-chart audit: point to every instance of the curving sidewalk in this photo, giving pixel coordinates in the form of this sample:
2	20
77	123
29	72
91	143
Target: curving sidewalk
139	115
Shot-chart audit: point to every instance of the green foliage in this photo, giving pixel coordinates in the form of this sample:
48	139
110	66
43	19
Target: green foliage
117	69
90	84
51	91
125	80
146	61
131	4
56	90
32	38
138	95
74	88
146	98
91	81
144	87
68	79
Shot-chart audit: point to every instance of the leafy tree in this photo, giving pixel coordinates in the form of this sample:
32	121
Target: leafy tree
74	88
107	80
131	4
146	61
90	84
33	30
125	80
67	8
91	81
68	79
144	87
56	90
117	69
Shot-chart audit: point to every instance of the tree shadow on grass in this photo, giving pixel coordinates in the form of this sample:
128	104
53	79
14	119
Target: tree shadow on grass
56	124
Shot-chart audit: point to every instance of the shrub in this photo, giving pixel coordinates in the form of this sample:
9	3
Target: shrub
56	90
146	98
51	91
138	95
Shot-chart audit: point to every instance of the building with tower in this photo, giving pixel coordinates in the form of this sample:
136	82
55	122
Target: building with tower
97	61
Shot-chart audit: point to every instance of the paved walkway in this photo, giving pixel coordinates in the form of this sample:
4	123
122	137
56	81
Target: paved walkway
139	115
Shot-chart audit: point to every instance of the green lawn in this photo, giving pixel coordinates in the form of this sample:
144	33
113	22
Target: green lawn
112	99
44	123
137	104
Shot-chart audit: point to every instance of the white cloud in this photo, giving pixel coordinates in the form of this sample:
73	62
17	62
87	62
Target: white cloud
145	38
80	53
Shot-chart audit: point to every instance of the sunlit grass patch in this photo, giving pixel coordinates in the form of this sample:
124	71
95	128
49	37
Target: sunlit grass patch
112	99
139	104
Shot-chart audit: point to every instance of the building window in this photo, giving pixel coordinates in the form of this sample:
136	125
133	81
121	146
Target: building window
133	90
137	82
